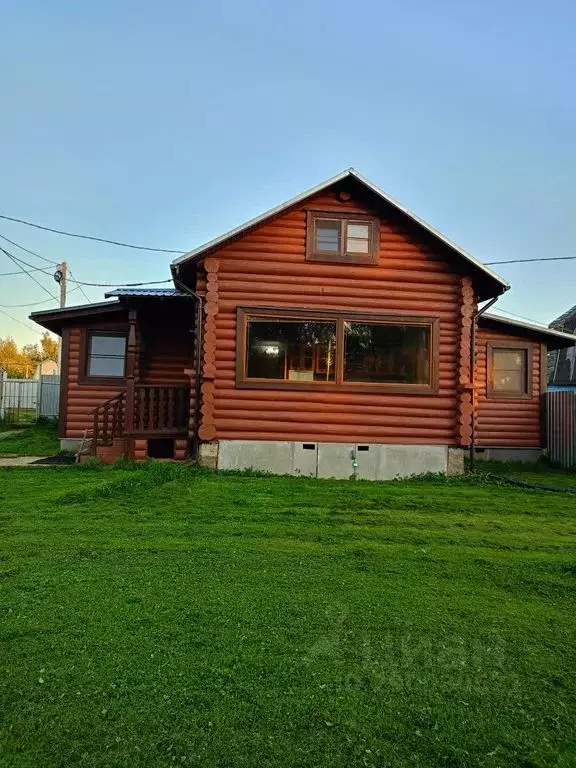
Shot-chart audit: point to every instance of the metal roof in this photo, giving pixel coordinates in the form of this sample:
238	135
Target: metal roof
62	310
353	174
161	293
543	329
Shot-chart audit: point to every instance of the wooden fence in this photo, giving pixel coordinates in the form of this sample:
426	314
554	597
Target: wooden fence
561	414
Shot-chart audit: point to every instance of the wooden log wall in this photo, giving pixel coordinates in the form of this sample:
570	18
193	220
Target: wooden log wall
267	267
81	398
510	422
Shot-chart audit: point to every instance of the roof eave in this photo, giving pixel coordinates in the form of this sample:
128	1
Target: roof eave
560	339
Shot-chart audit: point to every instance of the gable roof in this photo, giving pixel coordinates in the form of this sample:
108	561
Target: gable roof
553	338
498	283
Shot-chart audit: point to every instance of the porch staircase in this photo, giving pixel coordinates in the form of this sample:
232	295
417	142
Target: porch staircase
160	413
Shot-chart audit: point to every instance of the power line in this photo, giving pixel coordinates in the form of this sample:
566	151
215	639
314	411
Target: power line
90	237
27	250
32	269
25	325
18	264
522	261
522	317
82	282
36	303
78	286
121	285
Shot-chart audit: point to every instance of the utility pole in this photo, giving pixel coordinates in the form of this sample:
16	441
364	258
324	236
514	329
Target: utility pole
61	277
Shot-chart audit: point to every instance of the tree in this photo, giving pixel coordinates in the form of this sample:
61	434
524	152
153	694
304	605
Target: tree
16	364
49	347
22	363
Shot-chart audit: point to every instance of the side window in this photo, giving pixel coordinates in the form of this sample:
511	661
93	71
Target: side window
509	367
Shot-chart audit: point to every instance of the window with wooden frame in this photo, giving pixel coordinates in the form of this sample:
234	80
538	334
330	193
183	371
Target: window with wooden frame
304	349
338	237
104	354
509	369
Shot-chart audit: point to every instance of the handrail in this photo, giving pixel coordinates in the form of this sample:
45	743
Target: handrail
108	421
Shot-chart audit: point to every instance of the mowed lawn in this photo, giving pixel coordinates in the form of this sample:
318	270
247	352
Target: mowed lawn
29	440
165	616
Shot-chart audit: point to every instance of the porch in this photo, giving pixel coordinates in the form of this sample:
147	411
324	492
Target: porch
154	415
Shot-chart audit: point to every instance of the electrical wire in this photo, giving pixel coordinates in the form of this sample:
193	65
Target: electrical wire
526	261
90	237
25	325
36	303
19	264
78	285
121	285
33	269
27	250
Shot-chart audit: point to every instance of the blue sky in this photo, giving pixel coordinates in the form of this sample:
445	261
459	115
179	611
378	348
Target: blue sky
168	123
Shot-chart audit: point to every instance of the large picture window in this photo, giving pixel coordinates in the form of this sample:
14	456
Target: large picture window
283	349
311	349
387	352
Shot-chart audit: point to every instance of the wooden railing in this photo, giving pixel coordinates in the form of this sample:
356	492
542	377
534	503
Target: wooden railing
158	410
161	409
108	421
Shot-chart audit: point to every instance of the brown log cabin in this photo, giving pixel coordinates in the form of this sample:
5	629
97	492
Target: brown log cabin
335	335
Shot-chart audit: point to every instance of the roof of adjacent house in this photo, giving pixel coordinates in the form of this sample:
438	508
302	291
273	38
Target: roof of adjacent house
500	285
562	363
555	339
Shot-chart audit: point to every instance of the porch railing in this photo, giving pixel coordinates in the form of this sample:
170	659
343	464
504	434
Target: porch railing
108	420
161	409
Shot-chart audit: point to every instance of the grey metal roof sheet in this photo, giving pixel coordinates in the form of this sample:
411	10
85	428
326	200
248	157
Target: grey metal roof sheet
543	329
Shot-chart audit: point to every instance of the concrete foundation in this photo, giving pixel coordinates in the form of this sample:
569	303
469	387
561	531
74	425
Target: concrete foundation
337	460
527	455
208	455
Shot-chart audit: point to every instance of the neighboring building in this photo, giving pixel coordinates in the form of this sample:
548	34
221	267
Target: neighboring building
562	362
335	339
46	368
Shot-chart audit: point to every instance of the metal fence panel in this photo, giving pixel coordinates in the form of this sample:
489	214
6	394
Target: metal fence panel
561	410
49	397
20	400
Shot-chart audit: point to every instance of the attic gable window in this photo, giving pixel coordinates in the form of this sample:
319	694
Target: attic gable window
336	237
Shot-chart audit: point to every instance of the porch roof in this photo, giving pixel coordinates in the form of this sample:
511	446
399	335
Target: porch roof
55	319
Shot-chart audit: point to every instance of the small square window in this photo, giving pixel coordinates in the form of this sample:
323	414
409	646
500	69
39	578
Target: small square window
105	355
340	238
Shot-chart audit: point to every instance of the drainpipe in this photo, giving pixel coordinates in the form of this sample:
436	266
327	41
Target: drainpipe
473	376
199	335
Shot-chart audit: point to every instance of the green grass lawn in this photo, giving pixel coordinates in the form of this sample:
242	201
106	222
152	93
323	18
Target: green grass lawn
36	440
161	616
17	416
